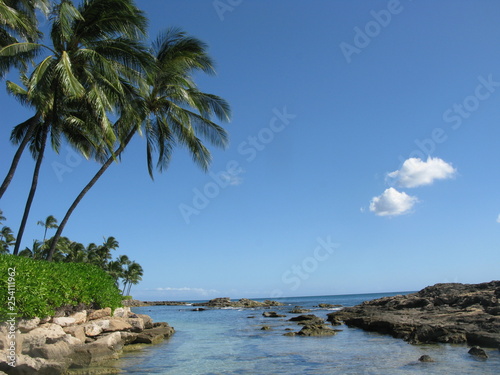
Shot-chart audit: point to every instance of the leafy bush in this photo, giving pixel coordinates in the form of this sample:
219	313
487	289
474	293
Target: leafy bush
41	287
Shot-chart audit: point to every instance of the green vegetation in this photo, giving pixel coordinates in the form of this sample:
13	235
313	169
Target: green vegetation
40	287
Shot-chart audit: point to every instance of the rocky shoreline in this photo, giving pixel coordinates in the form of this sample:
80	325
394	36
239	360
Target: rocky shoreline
75	343
443	313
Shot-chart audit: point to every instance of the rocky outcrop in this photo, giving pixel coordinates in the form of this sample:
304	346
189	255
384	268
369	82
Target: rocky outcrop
447	313
272	314
312	326
80	340
242	303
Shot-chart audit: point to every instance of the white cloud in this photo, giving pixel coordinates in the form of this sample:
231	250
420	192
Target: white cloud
498	219
392	203
416	172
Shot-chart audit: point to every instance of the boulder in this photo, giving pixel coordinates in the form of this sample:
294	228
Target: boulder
138	324
316	330
307	319
265	328
64	321
154	335
478	352
76	331
98	314
26	325
121	312
425	358
27	365
148	321
80	317
92	329
272	314
299	310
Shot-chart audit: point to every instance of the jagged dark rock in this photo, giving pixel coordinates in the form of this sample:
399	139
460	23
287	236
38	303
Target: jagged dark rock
447	313
425	358
272	314
307	319
478	352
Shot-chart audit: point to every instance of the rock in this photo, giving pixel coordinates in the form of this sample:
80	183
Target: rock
307	319
64	321
299	310
198	309
478	352
96	327
121	312
265	328
76	331
37	338
327	305
425	358
148	321
289	334
316	330
137	324
243	303
272	314
103	349
447	313
98	314
92	329
27	365
26	325
80	317
128	337
154	335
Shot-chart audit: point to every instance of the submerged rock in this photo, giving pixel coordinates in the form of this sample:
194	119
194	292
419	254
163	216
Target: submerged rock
425	358
272	314
447	313
243	303
478	352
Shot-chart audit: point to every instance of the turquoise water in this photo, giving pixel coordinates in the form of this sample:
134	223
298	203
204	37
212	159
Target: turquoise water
230	341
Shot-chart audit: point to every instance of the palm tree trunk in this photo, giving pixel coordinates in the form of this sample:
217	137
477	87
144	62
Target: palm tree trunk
31	194
85	190
15	161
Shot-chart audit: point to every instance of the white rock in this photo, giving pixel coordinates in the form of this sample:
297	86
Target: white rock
26	325
64	321
80	317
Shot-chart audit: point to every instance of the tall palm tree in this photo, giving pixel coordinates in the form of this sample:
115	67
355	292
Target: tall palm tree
95	58
170	110
49	223
19	18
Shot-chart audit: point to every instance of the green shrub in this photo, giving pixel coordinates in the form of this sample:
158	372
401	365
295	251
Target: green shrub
41	287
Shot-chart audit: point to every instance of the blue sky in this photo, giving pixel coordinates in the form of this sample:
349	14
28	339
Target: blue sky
315	194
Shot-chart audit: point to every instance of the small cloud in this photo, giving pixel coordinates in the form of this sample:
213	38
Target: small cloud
392	203
498	219
416	172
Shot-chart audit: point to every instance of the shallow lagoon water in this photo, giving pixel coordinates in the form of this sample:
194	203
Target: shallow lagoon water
230	341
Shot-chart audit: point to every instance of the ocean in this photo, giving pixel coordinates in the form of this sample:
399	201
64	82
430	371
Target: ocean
230	341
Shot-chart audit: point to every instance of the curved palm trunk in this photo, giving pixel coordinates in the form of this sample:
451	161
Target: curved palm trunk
31	194
15	161
80	196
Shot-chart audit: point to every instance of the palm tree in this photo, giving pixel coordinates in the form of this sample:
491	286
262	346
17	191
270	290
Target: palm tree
18	17
116	267
171	110
7	239
2	218
132	275
95	58
49	223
